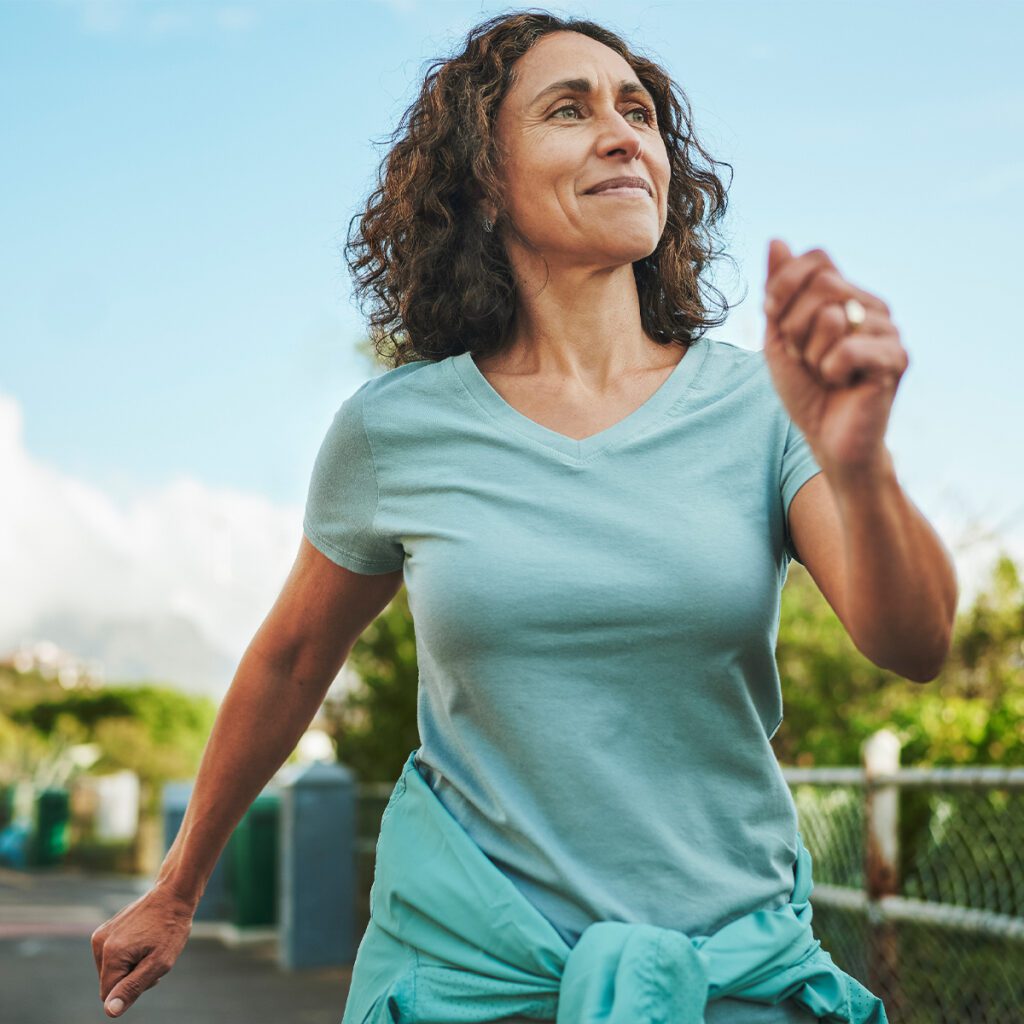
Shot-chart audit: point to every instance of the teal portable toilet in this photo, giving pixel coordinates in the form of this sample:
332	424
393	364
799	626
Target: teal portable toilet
52	818
252	863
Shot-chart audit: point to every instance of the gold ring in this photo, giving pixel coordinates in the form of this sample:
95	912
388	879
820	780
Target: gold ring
856	314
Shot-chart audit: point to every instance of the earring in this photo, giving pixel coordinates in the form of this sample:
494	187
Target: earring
488	224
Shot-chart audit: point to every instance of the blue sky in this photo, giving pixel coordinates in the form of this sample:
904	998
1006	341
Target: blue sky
179	177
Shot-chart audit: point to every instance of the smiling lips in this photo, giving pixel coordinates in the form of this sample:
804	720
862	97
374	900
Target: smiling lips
623	186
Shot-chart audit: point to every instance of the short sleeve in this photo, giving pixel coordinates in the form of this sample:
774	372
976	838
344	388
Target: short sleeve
798	466
343	497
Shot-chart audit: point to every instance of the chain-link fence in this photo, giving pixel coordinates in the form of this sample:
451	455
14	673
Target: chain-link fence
918	881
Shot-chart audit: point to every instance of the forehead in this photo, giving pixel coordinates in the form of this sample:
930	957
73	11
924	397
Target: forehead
562	55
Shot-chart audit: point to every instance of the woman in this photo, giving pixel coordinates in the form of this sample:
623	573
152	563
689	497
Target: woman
593	506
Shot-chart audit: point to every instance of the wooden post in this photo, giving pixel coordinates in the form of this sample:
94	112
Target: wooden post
881	754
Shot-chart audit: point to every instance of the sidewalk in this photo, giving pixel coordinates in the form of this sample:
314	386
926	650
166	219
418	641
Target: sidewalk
48	975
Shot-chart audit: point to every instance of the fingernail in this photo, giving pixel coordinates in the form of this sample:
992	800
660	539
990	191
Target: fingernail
115	1005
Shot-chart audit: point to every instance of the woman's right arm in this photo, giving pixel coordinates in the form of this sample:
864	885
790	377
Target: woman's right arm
280	683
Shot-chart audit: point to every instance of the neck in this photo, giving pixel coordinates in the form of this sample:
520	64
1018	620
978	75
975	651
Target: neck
581	324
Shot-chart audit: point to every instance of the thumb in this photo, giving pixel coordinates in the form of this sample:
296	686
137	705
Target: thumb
128	989
778	254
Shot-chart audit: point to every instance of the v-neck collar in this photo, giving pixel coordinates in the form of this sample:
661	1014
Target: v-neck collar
669	393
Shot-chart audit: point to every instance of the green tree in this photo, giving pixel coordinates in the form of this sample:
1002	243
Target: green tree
155	731
834	697
374	726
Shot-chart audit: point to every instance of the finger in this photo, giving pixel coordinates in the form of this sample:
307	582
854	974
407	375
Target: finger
824	287
128	989
817	290
96	941
830	328
826	330
118	964
777	346
778	253
829	325
782	286
863	355
99	937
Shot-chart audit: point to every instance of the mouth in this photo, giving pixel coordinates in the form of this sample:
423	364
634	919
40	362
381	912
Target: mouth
620	191
620	186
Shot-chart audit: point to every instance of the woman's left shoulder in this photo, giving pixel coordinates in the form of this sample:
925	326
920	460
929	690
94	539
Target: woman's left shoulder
733	370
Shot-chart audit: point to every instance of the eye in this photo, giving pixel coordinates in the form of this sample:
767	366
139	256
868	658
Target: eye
567	106
647	111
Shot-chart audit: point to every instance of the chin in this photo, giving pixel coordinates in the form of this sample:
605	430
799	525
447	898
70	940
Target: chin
627	249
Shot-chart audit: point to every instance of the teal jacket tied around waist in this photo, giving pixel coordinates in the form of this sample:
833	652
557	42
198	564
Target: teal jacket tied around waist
451	939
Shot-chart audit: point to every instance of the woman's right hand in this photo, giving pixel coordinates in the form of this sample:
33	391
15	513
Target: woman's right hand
136	947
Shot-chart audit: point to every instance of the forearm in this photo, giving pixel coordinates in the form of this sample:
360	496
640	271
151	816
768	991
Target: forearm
263	715
901	585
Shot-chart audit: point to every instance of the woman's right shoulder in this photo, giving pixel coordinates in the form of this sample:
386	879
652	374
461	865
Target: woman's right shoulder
404	402
398	386
402	381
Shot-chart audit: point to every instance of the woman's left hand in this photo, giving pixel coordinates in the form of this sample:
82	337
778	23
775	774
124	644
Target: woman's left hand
837	383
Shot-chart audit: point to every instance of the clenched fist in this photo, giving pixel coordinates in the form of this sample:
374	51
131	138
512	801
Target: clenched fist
139	945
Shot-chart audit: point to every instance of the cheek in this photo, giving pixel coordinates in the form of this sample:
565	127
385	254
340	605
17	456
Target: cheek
543	203
664	173
538	213
544	172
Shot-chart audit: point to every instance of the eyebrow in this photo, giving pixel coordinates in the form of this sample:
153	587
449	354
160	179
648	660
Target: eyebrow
627	87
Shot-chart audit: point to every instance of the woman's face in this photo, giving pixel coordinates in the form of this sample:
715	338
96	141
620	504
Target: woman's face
556	145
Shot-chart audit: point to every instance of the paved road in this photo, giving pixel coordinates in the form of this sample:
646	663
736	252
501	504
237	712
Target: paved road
48	976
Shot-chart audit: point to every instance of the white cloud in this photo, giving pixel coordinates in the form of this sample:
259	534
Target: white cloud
219	557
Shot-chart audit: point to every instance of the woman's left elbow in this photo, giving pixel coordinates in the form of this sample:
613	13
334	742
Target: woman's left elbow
924	671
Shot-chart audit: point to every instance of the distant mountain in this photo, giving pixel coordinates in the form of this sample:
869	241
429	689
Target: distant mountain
164	649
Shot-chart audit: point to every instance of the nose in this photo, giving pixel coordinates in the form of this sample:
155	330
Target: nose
618	136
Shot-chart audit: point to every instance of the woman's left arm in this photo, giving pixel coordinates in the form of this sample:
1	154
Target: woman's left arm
894	584
877	558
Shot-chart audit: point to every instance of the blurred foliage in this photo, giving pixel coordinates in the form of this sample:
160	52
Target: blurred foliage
834	697
374	726
155	731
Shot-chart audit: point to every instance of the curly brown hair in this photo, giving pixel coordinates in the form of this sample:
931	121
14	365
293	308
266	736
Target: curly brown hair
438	283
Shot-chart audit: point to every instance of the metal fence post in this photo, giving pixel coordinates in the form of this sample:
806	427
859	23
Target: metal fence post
881	754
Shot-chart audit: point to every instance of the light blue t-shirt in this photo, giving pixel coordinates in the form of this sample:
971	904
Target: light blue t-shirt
595	627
